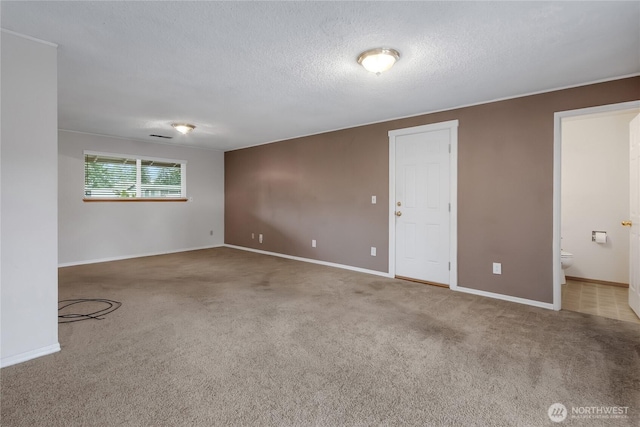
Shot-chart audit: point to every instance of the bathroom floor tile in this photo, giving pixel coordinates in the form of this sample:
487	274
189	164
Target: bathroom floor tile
606	297
628	313
607	305
609	314
600	300
588	304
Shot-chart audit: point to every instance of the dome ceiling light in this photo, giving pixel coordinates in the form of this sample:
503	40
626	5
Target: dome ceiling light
378	60
183	128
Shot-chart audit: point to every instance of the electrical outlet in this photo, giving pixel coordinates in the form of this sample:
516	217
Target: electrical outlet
313	243
373	251
253	236
260	238
497	268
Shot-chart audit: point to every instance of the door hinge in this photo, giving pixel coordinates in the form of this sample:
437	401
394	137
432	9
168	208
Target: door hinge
449	148
449	207
449	266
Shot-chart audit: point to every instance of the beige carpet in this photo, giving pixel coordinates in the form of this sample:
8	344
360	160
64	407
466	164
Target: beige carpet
226	337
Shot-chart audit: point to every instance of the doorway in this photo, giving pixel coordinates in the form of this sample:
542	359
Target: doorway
591	194
423	203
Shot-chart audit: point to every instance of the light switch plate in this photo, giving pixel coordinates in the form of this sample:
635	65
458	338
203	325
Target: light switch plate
313	243
374	200
373	251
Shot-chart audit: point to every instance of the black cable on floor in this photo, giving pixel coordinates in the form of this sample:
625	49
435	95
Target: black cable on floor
77	317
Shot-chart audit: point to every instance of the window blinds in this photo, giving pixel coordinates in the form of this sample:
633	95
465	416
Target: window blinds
110	176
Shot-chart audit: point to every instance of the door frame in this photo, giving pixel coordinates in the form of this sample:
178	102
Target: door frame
452	126
557	184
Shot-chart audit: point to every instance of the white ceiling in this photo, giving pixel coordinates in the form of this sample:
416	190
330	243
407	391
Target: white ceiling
247	73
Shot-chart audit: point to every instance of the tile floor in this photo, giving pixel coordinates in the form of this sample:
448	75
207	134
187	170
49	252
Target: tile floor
601	300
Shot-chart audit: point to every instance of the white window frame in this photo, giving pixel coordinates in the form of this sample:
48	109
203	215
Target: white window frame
139	159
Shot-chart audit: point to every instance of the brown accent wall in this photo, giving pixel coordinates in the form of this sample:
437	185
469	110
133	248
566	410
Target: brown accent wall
320	187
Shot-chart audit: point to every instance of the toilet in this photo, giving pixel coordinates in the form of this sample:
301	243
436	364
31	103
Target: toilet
566	260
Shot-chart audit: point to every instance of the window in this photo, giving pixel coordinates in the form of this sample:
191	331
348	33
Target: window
132	178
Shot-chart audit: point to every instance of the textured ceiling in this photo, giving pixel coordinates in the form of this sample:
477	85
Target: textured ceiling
247	73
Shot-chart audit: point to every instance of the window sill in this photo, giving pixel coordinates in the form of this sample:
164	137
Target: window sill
136	199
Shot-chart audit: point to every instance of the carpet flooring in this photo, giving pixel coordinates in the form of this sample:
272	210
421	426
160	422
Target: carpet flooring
228	337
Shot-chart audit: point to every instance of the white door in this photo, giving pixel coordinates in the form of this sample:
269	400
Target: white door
634	238
422	206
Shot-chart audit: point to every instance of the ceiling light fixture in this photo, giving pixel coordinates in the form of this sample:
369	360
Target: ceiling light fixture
378	60
183	128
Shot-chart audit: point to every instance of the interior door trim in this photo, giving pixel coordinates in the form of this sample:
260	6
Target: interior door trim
452	125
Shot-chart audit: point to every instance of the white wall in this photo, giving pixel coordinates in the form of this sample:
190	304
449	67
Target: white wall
29	212
595	194
92	231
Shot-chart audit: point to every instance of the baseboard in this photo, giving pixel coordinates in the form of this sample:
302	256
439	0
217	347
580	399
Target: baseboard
309	260
312	261
599	282
120	258
28	355
525	301
509	298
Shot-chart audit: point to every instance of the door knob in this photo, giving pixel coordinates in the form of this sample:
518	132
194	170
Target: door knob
626	223
398	213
